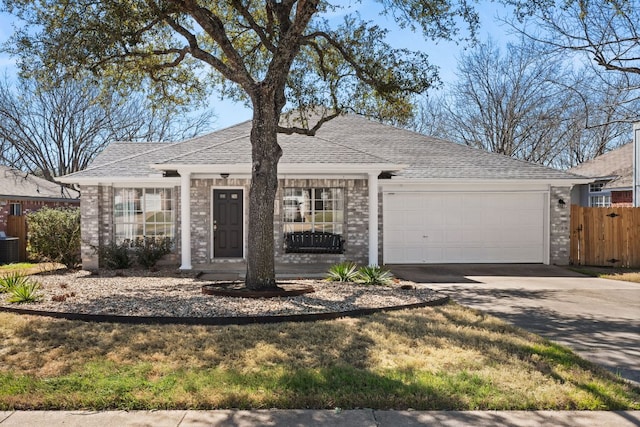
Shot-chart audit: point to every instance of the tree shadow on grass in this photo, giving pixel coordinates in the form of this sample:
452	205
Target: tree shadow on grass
288	365
612	342
536	353
295	365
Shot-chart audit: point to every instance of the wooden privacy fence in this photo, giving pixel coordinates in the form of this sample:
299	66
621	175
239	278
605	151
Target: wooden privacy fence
17	227
605	236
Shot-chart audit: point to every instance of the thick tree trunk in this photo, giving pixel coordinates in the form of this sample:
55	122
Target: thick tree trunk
264	183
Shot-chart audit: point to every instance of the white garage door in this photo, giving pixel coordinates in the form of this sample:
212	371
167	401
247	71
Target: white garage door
463	227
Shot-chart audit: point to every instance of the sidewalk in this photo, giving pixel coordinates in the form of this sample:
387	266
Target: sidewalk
310	418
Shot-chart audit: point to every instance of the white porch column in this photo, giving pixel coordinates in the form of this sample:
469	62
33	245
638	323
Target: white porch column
185	219
373	219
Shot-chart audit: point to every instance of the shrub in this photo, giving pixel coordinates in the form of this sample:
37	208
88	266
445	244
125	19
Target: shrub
115	256
54	235
145	251
343	272
374	275
149	250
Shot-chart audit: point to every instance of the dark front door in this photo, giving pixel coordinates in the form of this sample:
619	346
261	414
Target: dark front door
227	223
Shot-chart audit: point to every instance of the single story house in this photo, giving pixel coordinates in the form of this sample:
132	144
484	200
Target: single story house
613	175
394	196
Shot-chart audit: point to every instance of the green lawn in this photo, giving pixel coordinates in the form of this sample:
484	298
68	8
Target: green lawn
447	358
18	266
29	268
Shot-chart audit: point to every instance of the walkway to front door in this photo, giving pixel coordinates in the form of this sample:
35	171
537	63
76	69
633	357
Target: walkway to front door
227	224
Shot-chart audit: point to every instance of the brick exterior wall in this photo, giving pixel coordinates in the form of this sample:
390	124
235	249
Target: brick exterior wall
356	222
560	220
30	205
97	220
96	225
90	225
201	227
356	227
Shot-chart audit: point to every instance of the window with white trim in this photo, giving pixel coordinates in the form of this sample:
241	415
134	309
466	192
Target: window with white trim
602	201
596	187
143	212
313	209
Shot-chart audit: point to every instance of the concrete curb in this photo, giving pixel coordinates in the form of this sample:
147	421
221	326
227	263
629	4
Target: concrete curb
311	418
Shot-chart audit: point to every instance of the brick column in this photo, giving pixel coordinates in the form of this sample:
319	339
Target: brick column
560	223
89	226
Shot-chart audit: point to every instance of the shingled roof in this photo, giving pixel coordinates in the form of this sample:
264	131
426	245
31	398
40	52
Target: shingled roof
615	165
16	184
348	140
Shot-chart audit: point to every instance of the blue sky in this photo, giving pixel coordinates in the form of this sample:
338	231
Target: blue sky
442	54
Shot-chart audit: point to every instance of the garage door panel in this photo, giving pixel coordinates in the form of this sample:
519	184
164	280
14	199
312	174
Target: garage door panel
414	218
413	238
455	236
434	236
529	234
464	227
435	256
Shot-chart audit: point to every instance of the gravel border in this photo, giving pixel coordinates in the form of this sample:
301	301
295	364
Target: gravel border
170	297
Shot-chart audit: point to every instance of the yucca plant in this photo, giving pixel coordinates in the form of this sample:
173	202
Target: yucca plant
26	291
11	280
343	272
374	275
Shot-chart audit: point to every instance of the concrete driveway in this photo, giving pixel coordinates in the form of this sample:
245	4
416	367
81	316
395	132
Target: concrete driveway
598	318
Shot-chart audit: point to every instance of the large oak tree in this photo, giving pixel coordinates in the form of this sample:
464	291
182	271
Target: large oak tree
271	54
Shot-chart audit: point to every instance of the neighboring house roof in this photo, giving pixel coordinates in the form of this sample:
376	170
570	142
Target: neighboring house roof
346	140
615	166
16	184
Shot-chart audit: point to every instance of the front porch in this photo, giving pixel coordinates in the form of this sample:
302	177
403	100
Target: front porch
206	228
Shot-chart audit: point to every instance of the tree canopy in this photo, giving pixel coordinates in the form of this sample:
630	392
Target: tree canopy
183	48
309	55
